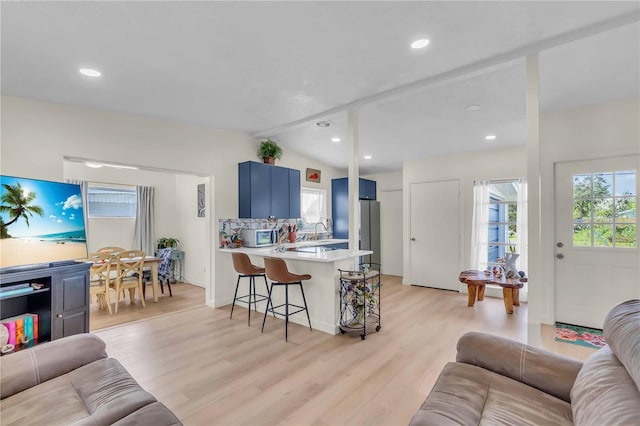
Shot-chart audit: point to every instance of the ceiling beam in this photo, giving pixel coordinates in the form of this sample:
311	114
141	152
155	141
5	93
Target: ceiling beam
493	63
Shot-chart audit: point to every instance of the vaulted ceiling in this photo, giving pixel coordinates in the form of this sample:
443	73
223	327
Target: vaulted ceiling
275	68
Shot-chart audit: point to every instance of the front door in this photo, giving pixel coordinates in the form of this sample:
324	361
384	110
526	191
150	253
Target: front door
596	247
435	234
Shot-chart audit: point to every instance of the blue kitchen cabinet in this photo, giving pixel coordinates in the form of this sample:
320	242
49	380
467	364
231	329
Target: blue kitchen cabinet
294	193
265	190
367	189
340	202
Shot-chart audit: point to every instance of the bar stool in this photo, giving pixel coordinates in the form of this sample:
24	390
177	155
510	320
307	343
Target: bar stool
245	268
278	273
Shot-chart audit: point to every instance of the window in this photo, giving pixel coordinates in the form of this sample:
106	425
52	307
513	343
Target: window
499	223
502	224
111	201
604	210
313	206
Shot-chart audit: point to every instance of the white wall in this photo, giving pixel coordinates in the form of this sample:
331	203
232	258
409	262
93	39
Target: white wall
389	193
195	232
37	135
497	164
602	130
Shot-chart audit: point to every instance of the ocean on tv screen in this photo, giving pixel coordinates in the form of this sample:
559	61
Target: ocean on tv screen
40	221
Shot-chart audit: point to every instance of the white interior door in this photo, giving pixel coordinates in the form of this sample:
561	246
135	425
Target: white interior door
390	232
435	234
597	261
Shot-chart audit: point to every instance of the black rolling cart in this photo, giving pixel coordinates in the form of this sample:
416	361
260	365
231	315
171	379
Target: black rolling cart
360	299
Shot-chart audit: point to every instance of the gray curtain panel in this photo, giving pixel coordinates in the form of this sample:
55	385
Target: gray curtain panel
84	190
144	238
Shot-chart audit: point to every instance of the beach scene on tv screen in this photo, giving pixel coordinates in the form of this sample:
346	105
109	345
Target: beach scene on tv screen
40	222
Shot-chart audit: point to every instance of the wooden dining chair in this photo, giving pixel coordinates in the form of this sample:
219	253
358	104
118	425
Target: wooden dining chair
111	250
100	278
129	265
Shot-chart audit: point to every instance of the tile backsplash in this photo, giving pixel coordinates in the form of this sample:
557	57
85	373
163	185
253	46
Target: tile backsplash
229	229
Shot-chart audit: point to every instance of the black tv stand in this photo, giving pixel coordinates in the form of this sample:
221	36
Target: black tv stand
61	302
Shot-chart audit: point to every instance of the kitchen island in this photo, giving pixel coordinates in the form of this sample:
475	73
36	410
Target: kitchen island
321	260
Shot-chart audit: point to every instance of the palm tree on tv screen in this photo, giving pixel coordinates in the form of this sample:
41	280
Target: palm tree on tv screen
18	204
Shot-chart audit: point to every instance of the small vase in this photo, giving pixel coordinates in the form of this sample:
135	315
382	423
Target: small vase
510	264
292	237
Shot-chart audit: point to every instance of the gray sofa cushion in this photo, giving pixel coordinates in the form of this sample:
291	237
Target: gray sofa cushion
99	393
155	414
108	391
622	331
604	393
606	390
468	395
24	369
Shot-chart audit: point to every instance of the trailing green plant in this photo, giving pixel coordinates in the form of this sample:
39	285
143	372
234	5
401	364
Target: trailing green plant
168	242
269	148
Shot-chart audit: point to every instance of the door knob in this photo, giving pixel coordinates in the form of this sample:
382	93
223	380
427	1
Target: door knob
59	315
559	244
413	239
560	256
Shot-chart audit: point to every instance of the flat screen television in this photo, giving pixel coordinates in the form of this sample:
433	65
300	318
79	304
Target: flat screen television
41	222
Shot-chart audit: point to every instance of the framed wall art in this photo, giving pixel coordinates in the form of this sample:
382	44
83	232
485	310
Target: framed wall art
313	175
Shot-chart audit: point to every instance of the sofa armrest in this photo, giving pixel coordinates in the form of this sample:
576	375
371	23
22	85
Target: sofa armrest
549	372
30	367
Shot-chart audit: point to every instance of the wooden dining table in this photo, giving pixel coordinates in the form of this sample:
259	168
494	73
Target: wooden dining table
476	282
152	262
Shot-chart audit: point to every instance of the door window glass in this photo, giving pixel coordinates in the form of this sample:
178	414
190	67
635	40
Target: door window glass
604	209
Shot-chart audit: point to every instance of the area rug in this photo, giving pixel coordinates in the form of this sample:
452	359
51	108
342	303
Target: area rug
583	336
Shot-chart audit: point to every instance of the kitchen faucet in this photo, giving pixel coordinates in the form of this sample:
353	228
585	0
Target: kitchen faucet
315	229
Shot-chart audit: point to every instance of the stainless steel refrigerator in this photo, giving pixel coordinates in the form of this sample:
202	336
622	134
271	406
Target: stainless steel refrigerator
370	229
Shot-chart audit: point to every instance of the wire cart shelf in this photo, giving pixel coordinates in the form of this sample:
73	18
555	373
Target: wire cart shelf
360	299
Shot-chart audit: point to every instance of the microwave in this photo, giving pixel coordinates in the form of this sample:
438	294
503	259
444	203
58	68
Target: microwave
259	237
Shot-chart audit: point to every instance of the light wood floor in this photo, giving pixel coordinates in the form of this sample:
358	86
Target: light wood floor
185	296
210	370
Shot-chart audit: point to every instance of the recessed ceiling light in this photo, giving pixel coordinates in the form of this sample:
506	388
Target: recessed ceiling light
323	123
335	139
490	137
419	44
367	157
93	165
472	107
89	72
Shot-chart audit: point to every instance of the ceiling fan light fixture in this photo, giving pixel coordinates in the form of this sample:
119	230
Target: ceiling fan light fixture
323	123
420	43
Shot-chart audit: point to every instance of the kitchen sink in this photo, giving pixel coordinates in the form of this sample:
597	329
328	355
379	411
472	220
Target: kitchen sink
319	249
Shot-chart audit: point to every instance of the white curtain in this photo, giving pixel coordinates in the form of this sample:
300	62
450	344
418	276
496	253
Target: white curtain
144	238
84	190
480	225
522	226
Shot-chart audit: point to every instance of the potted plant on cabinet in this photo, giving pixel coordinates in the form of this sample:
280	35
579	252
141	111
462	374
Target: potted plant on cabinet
269	151
166	242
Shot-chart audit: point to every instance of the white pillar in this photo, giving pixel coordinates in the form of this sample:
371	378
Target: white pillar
534	294
354	174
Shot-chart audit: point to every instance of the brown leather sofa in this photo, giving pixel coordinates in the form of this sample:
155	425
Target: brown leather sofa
501	381
72	381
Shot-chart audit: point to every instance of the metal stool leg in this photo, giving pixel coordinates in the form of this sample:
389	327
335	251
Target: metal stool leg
234	297
286	312
305	305
266	311
254	298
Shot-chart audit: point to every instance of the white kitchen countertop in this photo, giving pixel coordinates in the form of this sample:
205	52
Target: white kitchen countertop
325	257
